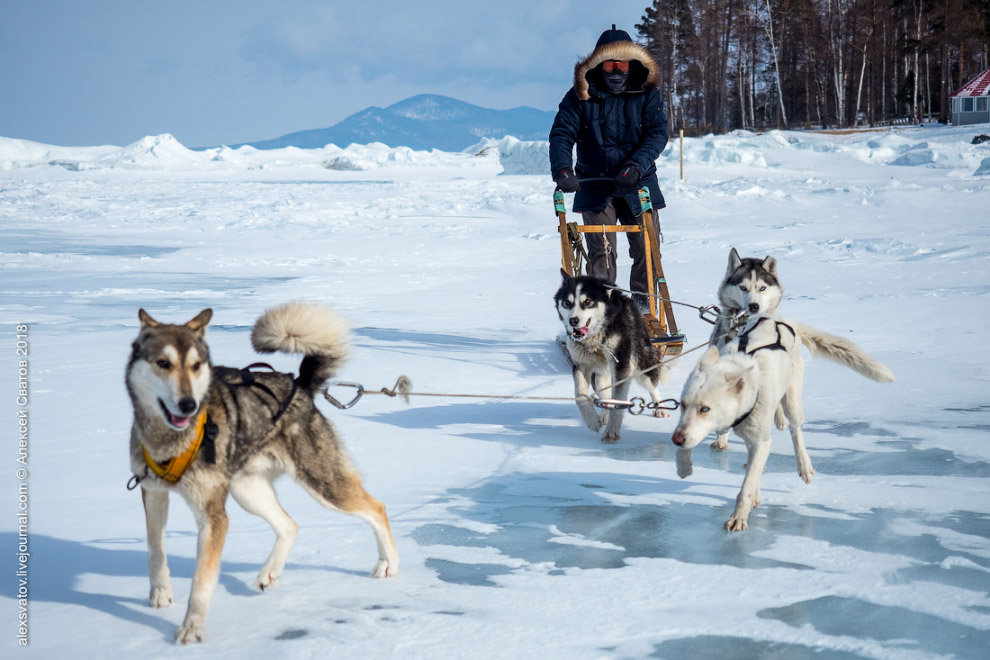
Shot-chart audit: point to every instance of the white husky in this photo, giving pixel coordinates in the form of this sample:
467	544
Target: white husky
741	387
752	286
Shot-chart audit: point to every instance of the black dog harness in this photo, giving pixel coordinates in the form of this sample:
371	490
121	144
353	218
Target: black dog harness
205	441
248	379
776	346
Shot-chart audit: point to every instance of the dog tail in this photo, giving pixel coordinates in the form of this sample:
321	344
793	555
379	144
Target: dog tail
317	332
662	371
837	349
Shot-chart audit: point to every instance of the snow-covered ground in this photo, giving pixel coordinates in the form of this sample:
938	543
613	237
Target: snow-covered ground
521	536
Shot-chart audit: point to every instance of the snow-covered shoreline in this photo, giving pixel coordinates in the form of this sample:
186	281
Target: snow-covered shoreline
936	147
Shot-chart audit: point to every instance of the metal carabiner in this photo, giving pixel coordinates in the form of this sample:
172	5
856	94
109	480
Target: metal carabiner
712	310
637	405
343	406
612	404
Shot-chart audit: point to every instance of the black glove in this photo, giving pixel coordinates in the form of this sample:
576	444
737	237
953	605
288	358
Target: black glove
628	176
566	180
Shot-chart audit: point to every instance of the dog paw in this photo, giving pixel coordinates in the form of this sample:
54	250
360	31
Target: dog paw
610	437
266	580
660	413
804	469
721	441
736	523
161	596
779	418
594	422
190	632
384	568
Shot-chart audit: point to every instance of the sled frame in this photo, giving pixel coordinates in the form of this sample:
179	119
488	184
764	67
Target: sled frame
660	323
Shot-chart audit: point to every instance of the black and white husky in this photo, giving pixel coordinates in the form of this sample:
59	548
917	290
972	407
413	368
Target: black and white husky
750	286
607	343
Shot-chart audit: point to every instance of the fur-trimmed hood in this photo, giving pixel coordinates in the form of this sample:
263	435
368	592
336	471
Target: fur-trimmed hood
643	72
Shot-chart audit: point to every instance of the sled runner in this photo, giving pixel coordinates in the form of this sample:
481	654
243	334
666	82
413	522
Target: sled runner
660	323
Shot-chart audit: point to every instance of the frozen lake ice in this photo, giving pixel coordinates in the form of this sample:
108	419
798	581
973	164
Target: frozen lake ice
521	535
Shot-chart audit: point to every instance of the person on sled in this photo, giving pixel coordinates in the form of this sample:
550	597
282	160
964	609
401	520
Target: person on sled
616	117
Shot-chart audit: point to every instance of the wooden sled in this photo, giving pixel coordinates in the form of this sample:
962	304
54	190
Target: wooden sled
660	323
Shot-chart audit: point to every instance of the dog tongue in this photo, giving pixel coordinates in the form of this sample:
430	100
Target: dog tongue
179	422
581	331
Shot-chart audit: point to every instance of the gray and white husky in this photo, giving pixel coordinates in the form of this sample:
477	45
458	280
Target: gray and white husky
607	342
752	286
741	387
203	431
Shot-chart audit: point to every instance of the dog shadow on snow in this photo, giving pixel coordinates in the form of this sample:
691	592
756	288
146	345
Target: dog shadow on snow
522	357
58	566
525	423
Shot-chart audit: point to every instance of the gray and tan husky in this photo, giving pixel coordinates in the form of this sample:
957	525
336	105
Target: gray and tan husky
235	431
752	286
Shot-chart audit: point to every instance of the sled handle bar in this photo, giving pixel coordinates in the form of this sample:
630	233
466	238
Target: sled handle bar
594	179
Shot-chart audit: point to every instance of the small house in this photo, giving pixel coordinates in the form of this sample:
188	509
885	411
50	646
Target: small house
971	102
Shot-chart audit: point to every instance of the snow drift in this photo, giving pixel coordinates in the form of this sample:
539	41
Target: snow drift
907	148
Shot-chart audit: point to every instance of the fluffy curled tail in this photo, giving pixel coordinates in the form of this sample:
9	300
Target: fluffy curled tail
837	349
317	332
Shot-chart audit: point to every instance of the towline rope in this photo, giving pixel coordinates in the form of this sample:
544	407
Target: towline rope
635	405
704	312
680	355
403	390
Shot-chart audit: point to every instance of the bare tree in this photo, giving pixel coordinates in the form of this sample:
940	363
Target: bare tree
768	26
758	63
867	37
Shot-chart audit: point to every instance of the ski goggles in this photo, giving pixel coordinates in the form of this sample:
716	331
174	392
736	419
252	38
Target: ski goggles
609	66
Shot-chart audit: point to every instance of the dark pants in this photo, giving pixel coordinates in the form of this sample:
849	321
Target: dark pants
601	251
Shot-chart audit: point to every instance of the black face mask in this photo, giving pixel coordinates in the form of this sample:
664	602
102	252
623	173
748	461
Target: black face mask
616	81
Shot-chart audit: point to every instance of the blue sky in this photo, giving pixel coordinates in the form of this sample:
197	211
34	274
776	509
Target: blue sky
99	72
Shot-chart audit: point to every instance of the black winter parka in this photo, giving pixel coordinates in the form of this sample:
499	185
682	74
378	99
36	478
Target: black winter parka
611	130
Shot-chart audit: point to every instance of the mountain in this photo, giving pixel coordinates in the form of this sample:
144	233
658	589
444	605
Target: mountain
423	122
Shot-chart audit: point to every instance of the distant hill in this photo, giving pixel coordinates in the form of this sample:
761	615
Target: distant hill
423	122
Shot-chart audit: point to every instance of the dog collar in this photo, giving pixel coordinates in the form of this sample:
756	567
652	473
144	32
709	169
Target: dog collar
743	418
173	469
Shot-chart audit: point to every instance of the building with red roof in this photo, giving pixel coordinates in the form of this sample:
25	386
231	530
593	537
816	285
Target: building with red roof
971	102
